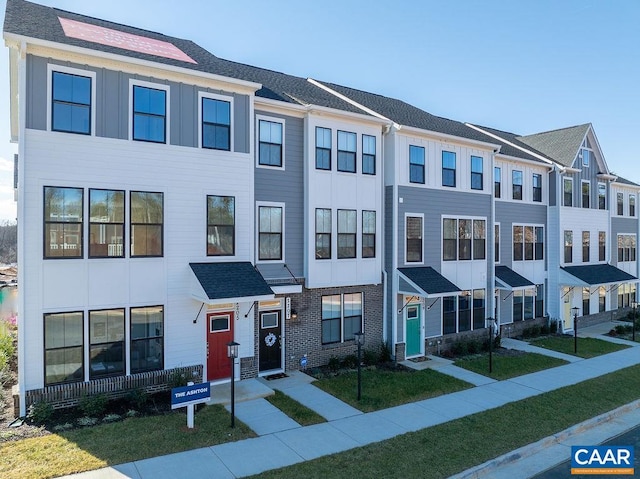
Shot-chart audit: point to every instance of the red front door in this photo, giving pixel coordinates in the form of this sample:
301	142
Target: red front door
219	333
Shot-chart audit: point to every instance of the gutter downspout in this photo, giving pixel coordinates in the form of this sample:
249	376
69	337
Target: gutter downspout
23	165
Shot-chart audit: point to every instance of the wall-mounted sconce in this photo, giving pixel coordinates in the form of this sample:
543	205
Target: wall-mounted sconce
294	315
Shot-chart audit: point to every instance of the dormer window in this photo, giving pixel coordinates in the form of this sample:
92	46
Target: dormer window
586	157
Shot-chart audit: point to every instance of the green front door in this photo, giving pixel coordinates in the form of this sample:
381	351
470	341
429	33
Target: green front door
413	331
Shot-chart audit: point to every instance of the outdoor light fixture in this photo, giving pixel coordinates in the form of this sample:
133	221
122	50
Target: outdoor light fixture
575	310
360	342
294	314
232	353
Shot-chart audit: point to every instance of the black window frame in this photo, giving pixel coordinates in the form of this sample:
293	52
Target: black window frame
159	335
346	161
632	205
347	250
416	168
148	225
215	225
518	243
449	239
114	347
323	153
479	239
586	197
323	237
568	246
586	246
602	196
143	113
447	171
106	225
50	226
529	243
496	242
345	332
215	125
620	203
368	158
73	105
74	377
270	144
516	184
602	245
537	187
567	195
539	243
477	177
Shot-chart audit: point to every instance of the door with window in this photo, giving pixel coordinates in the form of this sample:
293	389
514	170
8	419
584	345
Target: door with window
270	341
566	310
414	331
219	334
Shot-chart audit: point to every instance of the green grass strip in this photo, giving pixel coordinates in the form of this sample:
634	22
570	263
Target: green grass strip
587	347
296	411
505	367
452	447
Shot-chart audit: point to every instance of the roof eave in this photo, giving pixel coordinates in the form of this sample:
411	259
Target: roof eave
452	138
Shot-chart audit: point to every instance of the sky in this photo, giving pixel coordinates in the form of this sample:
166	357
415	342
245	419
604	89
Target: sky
523	66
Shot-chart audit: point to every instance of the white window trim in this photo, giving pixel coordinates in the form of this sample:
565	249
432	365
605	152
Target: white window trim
534	226
456	170
586	164
157	86
635	205
493	183
420	185
257	229
272	119
412	215
567	178
605	194
582	183
72	71
631	235
342	316
486	234
214	96
623	203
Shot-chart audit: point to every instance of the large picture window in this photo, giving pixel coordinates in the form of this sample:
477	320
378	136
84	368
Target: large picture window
221	221
341	317
347	234
346	151
270	144
368	155
323	148
63	348
149	114
106	224
106	343
463	239
216	124
63	214
416	164
323	233
368	234
270	233
147	339
414	239
147	220
71	103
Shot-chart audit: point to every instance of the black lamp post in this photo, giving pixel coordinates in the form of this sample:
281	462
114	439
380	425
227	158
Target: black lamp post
359	341
633	321
575	329
232	353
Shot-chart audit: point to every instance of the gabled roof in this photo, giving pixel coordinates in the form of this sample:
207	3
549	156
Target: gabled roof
428	281
560	145
405	114
43	23
230	281
594	275
504	138
625	182
509	279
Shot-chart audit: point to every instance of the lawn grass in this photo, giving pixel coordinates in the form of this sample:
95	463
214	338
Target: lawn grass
116	443
508	366
296	411
452	447
382	389
587	347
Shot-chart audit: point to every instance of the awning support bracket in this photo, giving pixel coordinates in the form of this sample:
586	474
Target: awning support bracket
252	305
570	290
434	302
198	315
291	273
411	298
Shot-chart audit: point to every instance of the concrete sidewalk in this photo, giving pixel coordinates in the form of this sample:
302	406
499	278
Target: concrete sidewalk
349	428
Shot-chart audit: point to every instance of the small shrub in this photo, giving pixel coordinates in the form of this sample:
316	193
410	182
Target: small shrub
350	361
497	341
40	412
613	333
459	348
6	345
132	413
535	331
473	346
112	418
138	398
63	427
447	354
334	363
526	333
177	379
544	329
4	360
553	327
93	405
370	357
385	353
87	421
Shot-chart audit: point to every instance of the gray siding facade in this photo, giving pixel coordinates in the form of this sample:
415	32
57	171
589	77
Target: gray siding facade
280	185
112	105
510	213
619	225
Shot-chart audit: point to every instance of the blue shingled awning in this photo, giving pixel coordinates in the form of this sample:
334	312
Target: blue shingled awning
508	279
594	275
425	281
231	282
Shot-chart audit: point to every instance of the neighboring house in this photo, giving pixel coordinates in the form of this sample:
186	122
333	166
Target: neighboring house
170	202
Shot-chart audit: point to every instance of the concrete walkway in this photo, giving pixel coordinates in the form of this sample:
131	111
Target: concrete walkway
349	428
510	343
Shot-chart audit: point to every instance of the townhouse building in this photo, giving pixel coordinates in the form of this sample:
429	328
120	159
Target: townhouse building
171	202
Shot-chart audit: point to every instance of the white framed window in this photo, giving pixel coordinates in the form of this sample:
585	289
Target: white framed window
149	112
586	157
586	194
341	317
414	233
567	191
632	205
270	148
464	239
71	100
215	121
602	196
270	221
